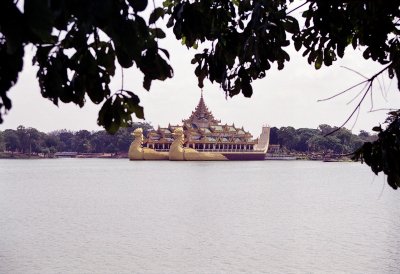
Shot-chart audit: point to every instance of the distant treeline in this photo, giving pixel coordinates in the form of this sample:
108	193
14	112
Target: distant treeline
324	139
30	140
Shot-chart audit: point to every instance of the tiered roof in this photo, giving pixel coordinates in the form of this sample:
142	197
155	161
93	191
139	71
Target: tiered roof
202	127
201	117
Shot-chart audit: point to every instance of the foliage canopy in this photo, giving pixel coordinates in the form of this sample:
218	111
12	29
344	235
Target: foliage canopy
78	44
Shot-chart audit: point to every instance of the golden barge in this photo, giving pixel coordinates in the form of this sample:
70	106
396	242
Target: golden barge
201	137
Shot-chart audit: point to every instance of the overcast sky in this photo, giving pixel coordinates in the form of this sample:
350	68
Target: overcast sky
283	98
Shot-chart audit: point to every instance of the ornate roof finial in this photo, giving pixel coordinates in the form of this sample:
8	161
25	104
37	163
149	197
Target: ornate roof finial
201	116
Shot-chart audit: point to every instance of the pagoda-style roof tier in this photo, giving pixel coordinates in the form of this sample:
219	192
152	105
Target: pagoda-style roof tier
201	117
202	127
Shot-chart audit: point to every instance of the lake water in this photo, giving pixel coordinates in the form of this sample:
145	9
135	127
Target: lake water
116	216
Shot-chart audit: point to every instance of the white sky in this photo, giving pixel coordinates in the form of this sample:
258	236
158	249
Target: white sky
283	98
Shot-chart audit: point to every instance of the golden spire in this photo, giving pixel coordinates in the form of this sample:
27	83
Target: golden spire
201	116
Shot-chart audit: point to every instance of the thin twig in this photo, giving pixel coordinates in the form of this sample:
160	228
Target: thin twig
383	109
384	85
372	98
358	94
354	111
297	8
344	91
380	72
383	187
388	88
355	121
369	83
356	72
383	89
356	85
380	87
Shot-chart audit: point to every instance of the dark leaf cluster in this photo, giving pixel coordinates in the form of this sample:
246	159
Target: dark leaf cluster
247	37
117	111
77	46
383	155
332	26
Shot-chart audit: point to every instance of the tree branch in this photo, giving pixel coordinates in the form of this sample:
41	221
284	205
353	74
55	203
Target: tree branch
368	83
297	8
354	111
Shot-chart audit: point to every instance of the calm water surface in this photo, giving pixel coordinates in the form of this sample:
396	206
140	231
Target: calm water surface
116	216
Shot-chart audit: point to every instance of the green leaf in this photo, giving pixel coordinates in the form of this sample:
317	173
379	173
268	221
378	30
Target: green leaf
247	90
6	102
117	111
291	25
170	22
318	61
158	33
354	42
123	58
167	3
328	57
133	106
156	14
297	44
241	25
106	58
391	72
165	52
340	50
147	82
138	5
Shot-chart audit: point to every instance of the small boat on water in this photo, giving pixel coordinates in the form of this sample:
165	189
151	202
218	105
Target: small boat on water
328	160
280	157
336	159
